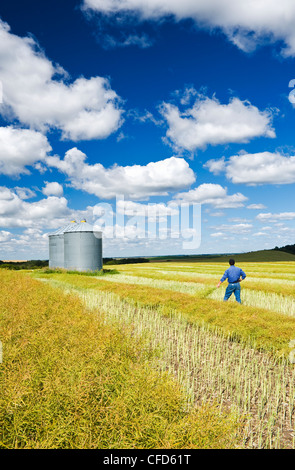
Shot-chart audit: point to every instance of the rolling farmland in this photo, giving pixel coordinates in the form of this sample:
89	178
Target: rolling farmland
229	363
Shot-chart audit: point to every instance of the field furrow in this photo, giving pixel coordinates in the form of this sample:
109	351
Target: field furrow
211	367
270	301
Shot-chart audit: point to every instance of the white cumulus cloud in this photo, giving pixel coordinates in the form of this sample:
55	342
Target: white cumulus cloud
20	148
15	212
214	194
210	122
258	168
236	228
36	93
246	23
136	181
5	236
52	189
269	217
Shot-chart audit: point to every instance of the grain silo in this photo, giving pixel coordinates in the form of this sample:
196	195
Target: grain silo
82	248
56	246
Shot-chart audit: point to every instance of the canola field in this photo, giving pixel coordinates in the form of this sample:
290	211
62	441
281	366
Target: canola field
149	356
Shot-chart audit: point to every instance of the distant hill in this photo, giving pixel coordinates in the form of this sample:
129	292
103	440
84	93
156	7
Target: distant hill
107	261
287	249
262	256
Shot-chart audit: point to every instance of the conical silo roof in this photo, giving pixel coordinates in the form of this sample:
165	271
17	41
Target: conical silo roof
62	230
82	226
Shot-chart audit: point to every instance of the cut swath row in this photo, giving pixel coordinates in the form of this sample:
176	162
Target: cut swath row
212	366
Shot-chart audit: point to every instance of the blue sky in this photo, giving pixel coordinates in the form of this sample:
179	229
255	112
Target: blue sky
141	108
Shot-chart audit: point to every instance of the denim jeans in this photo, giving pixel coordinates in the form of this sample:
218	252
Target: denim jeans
233	288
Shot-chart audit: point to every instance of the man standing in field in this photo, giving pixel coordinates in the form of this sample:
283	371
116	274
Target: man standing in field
234	275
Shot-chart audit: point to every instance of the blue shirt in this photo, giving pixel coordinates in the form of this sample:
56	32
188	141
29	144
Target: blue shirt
233	274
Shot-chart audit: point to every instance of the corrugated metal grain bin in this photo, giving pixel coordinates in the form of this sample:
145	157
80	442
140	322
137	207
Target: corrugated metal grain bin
82	248
56	246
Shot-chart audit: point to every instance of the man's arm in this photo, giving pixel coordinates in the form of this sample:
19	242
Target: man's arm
242	275
222	279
